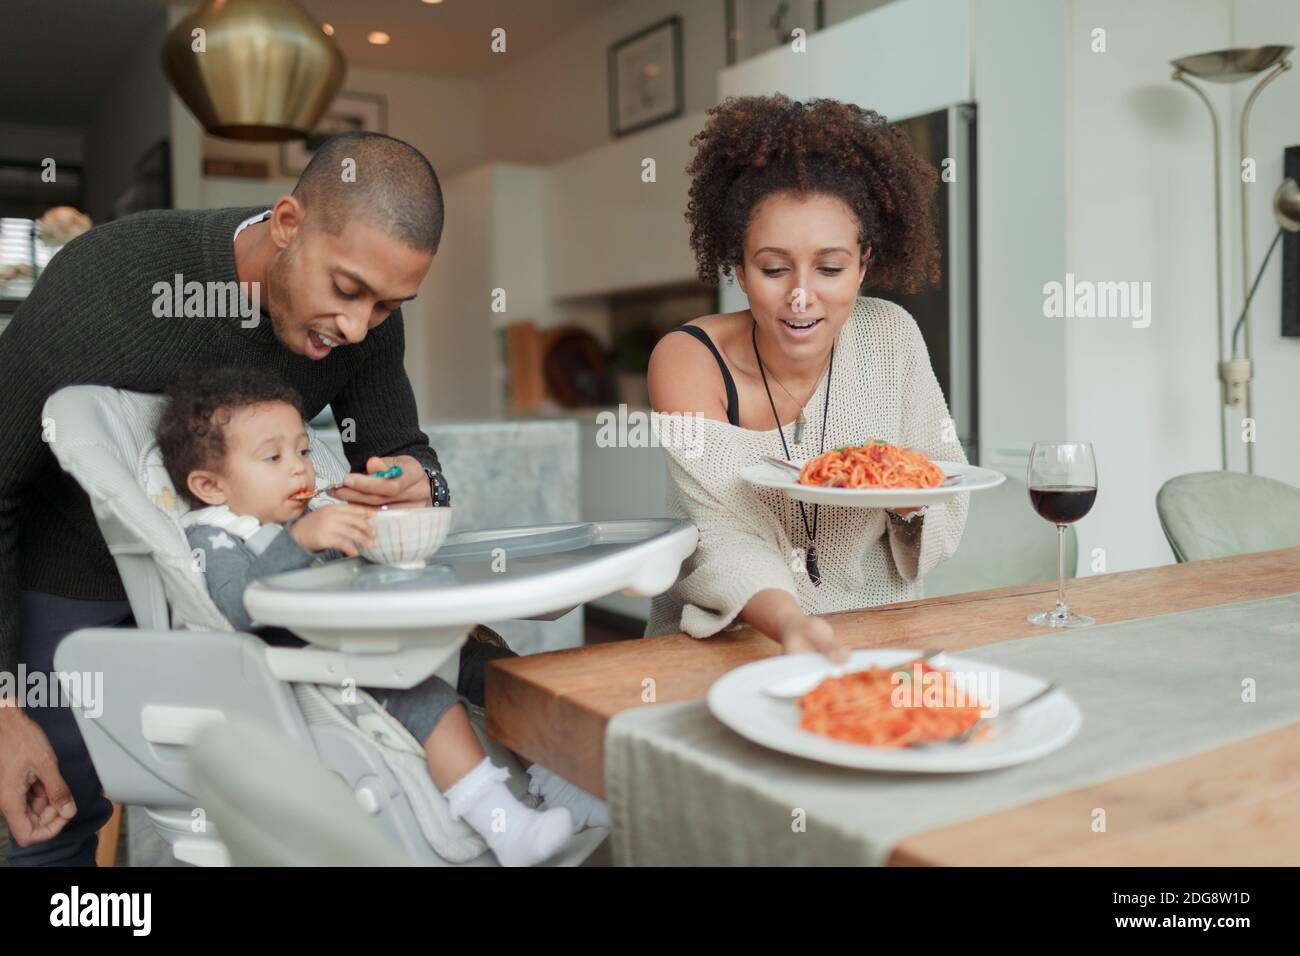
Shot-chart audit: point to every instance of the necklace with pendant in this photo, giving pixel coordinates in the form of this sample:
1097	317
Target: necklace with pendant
810	531
800	421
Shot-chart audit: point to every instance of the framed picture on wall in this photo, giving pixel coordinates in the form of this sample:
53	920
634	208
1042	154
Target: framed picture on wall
348	112
645	78
756	26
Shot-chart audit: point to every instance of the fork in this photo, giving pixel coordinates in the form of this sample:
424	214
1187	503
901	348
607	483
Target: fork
783	463
969	732
801	684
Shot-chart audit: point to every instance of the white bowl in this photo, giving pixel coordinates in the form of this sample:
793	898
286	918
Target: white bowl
407	537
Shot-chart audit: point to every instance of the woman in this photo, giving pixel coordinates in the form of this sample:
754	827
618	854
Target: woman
802	203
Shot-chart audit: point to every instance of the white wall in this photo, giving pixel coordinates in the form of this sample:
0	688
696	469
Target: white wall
900	59
573	71
1141	208
519	248
607	229
554	103
455	349
1019	89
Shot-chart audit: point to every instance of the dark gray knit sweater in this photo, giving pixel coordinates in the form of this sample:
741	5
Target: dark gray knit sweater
90	320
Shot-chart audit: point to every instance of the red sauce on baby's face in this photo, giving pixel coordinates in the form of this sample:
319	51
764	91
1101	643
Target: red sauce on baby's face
267	464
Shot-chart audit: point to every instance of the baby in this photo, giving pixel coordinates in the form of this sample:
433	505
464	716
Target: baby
235	446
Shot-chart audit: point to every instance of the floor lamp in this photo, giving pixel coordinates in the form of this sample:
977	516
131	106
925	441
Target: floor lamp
1230	66
1286	210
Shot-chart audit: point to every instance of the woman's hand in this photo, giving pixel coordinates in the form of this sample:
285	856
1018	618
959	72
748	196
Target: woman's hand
335	526
777	614
807	633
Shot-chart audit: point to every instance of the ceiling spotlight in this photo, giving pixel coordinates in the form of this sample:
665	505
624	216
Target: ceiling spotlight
378	37
327	29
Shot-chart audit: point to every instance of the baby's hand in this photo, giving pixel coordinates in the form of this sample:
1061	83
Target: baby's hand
335	526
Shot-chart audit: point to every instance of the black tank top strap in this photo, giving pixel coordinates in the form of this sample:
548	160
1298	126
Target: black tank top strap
733	400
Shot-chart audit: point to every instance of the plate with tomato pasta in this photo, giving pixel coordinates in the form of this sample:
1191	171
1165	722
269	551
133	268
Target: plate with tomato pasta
876	474
887	711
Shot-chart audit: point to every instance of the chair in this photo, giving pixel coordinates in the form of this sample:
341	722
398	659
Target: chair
283	808
1214	514
1005	543
184	668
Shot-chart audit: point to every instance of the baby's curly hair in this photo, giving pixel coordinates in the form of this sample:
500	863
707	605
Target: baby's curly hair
191	429
754	146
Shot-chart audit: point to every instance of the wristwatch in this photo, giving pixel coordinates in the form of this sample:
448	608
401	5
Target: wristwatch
438	489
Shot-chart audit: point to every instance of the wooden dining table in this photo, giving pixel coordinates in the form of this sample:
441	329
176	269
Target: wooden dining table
1234	804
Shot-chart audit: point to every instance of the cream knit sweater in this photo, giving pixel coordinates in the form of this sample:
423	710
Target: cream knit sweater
883	387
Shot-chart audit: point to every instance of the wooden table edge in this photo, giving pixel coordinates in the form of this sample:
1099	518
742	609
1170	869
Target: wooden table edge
513	684
1151	816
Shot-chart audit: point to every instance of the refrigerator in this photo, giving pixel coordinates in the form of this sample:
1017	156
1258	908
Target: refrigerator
946	313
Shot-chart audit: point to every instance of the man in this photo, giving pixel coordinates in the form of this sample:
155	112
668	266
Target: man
135	303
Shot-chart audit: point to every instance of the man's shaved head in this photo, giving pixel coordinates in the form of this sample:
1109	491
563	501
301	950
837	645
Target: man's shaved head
392	186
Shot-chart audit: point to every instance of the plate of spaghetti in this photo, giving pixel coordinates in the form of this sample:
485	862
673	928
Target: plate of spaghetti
875	475
885	703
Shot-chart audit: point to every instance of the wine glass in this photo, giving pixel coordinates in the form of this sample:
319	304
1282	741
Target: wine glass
1062	487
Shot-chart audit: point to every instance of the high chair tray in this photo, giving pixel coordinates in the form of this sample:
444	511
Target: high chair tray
478	577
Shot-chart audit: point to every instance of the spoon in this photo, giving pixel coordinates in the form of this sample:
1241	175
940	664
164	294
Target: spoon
387	473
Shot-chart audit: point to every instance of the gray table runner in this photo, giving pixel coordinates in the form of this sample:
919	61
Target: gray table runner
684	789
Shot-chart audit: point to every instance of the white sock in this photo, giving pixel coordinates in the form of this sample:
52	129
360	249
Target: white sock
587	810
518	835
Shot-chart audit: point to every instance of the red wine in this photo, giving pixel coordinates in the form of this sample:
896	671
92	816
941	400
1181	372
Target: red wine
1062	504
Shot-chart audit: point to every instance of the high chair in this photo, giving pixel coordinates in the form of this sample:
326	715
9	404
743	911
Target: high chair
183	668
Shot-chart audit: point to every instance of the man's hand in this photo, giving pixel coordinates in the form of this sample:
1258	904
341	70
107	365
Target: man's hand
335	526
34	800
410	489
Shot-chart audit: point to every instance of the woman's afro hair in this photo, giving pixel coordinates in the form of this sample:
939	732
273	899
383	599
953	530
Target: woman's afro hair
754	146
